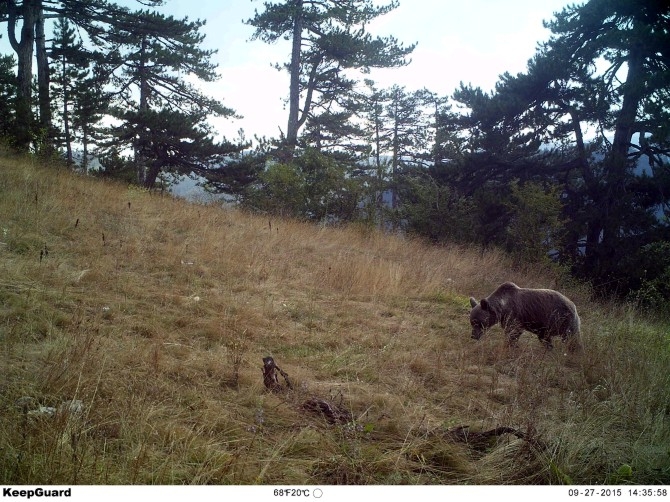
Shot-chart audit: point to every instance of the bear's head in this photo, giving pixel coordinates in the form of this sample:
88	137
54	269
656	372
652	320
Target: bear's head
482	317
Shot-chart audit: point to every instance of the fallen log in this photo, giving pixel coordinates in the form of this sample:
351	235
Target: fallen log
332	413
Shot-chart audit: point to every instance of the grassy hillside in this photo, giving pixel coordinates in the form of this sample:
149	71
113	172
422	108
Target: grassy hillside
148	318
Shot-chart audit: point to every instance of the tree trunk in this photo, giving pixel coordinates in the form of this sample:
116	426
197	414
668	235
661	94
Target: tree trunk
84	141
44	100
66	114
396	151
66	129
294	92
593	190
379	196
151	174
617	164
140	159
24	75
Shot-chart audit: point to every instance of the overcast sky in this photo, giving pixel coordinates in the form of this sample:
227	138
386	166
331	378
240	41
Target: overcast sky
471	41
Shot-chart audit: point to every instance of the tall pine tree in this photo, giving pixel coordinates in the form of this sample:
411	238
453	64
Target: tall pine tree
632	40
328	38
70	66
155	52
7	96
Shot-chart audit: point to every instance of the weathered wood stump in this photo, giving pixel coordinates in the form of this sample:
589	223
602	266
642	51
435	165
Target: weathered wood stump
270	378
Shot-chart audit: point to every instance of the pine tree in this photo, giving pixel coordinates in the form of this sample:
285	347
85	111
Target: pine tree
377	137
7	96
328	38
155	52
23	45
399	129
89	108
27	36
606	69
632	38
172	141
70	68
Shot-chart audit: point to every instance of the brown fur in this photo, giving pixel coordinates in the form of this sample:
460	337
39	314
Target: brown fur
544	312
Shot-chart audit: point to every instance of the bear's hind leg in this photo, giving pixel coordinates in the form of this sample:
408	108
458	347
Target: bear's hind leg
573	343
513	338
546	341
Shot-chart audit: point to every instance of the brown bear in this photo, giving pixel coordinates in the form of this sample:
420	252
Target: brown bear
545	312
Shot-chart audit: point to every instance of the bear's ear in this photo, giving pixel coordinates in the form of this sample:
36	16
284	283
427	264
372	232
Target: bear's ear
485	304
473	302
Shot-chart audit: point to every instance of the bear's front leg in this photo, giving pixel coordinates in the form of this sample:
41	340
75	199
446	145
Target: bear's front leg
546	340
513	337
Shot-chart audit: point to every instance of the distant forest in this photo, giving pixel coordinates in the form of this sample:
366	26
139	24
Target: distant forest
511	168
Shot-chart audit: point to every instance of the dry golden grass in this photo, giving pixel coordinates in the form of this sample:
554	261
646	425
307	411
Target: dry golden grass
156	314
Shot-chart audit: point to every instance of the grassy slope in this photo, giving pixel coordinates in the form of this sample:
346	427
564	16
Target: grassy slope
156	314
